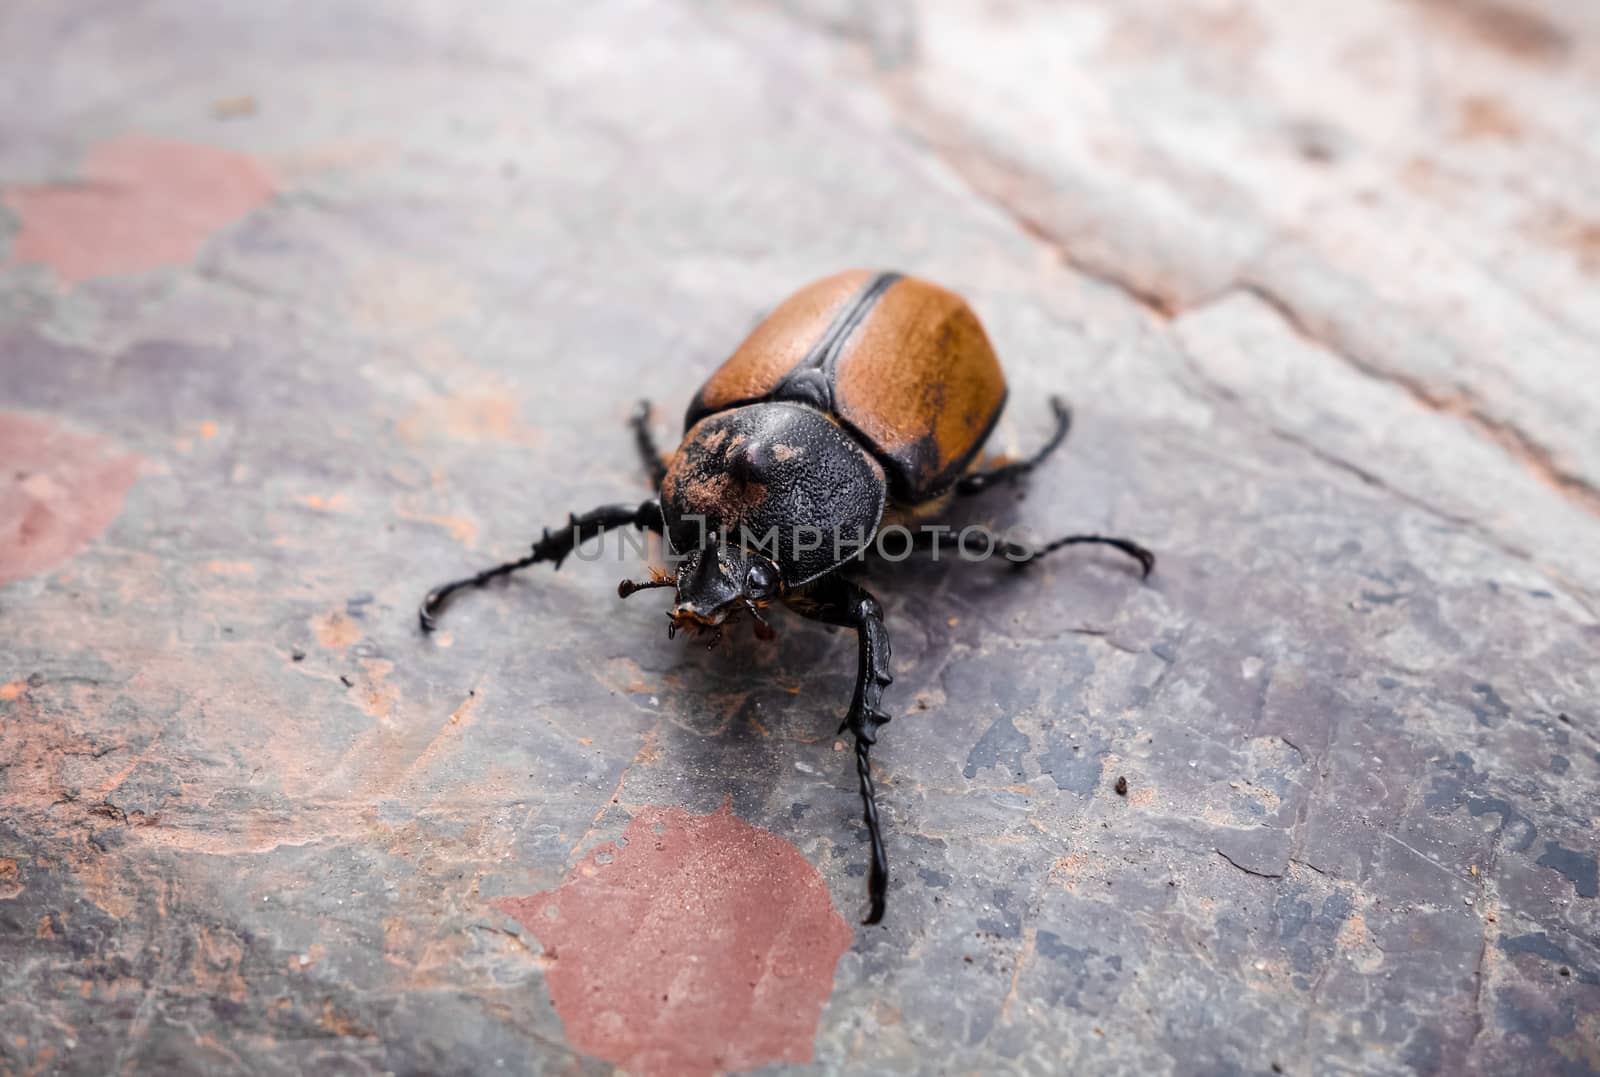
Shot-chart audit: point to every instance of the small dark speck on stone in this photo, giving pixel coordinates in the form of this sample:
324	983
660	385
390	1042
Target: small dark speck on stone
345	680
1122	786
297	655
1563	718
1276	1068
1564	971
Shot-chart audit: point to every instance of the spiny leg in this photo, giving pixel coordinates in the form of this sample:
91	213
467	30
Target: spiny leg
840	602
655	466
553	546
976	542
977	481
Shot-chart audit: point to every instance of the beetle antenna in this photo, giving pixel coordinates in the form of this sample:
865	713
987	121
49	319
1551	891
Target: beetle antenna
763	629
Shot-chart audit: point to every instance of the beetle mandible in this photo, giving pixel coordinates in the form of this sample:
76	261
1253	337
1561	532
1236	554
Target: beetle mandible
861	397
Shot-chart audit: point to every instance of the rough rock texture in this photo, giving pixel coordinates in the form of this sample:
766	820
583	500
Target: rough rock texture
1320	280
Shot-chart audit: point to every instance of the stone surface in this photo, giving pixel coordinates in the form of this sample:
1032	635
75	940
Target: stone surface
1320	283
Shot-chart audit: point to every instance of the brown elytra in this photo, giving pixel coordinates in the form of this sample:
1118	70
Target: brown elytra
902	363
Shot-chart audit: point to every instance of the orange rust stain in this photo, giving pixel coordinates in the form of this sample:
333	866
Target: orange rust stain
58	490
459	721
460	528
335	503
336	630
340	1023
481	416
218	963
376	696
624	675
10	878
208	429
1142	797
142	203
12	689
1582	1045
1488	118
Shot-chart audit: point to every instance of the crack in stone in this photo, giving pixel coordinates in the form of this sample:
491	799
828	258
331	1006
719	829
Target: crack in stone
1248	871
1573	591
988	179
1459	404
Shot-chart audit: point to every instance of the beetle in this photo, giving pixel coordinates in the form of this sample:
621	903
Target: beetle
863	399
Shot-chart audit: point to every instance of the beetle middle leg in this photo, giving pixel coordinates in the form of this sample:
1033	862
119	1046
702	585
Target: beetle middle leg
655	465
1020	554
977	481
553	546
839	602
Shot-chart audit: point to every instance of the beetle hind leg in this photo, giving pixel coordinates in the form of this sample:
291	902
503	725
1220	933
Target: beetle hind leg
977	481
1021	553
1146	559
655	465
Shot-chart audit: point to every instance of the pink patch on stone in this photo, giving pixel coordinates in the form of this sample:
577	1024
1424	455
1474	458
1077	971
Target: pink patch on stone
697	944
142	203
58	490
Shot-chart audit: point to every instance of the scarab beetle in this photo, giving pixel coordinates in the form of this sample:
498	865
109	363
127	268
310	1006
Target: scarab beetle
863	397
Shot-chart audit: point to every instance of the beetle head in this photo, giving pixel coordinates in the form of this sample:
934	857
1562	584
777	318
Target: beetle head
718	583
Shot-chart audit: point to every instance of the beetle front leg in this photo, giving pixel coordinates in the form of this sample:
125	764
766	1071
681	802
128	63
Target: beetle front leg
553	546
840	602
655	464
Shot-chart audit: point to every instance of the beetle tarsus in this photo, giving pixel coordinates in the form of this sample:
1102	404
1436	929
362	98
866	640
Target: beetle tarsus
654	465
1146	559
878	871
1021	554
